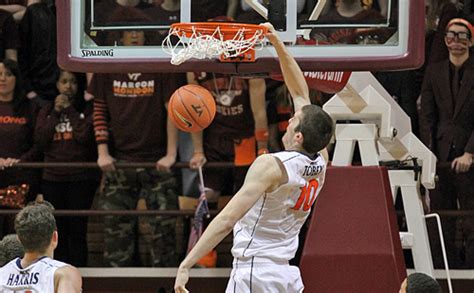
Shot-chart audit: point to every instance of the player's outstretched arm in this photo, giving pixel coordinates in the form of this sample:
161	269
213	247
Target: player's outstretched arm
264	175
292	74
68	279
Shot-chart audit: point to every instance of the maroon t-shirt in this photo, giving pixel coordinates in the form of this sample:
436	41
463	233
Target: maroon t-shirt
67	136
234	118
16	141
16	132
129	112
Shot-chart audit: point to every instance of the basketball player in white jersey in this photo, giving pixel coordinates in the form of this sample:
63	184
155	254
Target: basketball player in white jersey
37	271
267	213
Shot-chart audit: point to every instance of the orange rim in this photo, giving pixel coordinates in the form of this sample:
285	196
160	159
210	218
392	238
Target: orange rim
228	29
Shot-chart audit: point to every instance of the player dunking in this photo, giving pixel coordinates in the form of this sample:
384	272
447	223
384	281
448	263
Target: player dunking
268	211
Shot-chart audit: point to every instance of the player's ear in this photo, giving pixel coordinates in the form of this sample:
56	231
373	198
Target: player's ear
299	137
54	239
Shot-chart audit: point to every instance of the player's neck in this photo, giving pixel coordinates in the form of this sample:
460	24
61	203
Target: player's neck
32	257
299	149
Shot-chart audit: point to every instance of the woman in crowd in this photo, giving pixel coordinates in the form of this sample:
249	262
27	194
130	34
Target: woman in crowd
17	124
65	134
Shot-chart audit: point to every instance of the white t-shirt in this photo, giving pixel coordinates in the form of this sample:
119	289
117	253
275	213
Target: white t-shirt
37	277
270	228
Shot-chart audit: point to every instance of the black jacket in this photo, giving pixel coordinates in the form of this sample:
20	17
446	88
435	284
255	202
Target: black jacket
37	54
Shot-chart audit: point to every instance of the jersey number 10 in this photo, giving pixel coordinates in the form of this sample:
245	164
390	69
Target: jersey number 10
307	196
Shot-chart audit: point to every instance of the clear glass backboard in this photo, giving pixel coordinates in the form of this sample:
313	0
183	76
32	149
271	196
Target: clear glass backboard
104	36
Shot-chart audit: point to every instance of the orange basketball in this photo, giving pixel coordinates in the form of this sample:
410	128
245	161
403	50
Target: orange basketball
191	108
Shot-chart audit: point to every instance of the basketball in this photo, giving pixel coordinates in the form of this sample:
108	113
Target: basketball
191	108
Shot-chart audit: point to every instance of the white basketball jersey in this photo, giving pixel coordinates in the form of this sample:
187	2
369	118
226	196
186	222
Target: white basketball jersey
270	228
37	277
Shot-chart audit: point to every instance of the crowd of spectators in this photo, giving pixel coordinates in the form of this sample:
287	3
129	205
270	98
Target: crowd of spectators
51	115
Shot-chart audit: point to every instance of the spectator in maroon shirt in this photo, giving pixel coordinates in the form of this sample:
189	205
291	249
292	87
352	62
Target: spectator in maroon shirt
17	124
65	133
131	124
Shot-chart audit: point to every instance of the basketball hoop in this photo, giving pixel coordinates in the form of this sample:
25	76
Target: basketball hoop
231	42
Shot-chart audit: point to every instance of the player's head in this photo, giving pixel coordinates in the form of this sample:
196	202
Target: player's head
458	36
420	283
10	248
36	228
310	129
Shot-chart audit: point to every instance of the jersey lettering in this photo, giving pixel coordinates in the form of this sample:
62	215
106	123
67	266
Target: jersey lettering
22	279
312	170
307	196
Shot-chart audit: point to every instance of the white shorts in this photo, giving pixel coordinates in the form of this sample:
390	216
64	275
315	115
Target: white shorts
259	275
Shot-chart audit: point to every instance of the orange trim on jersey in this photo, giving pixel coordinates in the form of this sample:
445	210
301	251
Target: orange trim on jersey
307	196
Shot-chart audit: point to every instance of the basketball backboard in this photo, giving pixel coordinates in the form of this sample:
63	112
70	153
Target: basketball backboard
90	35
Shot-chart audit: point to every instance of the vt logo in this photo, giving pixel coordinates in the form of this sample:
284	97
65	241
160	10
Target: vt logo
134	76
197	109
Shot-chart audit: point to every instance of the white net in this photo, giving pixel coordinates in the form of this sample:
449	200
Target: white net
208	46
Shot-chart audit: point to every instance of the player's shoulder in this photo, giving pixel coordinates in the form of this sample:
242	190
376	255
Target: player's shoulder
269	164
272	167
67	270
266	160
68	274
